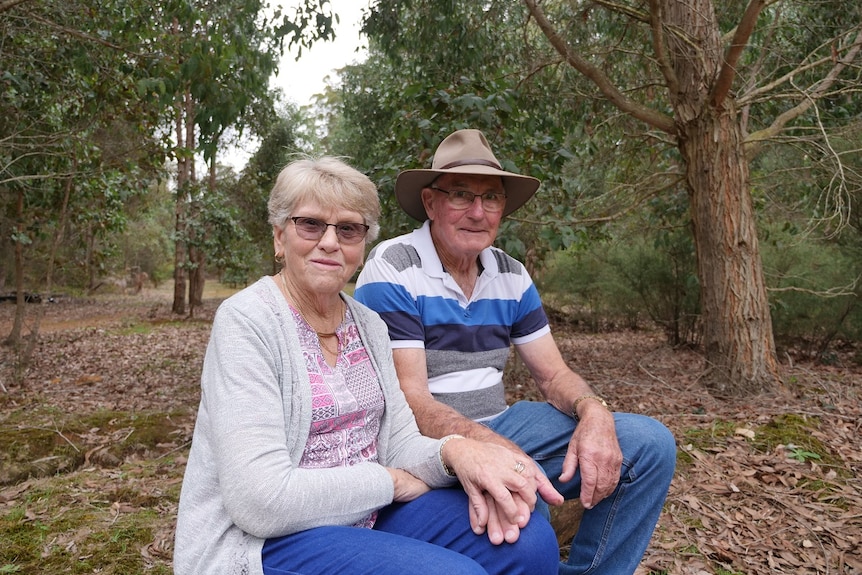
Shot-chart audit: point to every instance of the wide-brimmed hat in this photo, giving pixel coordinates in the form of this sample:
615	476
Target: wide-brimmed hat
462	152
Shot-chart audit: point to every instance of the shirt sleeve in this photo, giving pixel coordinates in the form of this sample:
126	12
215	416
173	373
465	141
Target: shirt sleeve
388	291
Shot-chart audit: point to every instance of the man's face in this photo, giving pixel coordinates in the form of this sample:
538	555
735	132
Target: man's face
463	232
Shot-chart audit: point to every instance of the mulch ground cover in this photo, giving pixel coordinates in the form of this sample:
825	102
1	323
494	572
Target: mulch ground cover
764	484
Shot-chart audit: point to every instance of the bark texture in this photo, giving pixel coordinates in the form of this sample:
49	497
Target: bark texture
738	339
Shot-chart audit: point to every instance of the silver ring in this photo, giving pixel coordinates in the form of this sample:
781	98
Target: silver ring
519	466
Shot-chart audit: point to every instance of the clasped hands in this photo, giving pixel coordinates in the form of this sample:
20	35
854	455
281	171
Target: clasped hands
503	483
502	487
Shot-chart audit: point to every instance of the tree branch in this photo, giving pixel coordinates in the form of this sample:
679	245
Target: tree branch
734	51
810	98
641	191
753	95
656	23
651	117
9	4
74	33
638	15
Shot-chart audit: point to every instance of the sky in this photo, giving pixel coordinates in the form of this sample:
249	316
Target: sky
301	79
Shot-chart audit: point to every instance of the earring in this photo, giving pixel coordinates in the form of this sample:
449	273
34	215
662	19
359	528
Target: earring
279	258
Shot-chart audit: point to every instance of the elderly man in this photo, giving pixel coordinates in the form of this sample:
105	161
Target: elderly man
454	304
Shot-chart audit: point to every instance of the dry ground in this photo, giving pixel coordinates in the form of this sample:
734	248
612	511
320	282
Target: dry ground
95	433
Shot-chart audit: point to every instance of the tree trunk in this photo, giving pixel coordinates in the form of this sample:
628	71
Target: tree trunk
89	263
179	305
738	340
14	337
196	288
49	272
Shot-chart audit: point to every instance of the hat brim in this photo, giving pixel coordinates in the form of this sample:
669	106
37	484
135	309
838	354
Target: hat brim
409	185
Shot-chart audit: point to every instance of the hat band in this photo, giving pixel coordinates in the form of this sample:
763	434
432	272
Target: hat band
471	162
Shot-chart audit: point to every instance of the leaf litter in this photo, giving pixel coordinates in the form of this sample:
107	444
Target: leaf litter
766	484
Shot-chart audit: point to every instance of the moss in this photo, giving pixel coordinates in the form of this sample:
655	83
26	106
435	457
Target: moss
794	431
40	444
133	328
717	432
62	526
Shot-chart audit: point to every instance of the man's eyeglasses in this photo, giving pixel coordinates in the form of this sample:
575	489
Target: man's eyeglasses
462	199
312	229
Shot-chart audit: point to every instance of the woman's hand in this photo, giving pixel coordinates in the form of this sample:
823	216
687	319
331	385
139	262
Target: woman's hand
407	486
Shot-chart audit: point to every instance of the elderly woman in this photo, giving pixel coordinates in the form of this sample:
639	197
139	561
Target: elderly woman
306	458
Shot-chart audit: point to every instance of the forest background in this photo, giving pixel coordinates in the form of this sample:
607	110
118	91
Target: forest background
700	161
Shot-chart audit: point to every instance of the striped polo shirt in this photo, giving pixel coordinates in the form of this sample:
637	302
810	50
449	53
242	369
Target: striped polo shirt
466	341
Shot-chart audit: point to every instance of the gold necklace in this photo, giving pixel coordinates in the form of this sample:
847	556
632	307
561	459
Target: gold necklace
329	349
321	335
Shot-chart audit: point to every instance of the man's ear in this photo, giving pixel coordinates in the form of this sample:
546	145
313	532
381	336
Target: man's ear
427	196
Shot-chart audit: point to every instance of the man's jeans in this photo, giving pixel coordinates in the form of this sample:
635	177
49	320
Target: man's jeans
613	535
430	535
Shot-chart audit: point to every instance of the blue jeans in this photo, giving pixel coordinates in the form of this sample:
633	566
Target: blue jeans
613	535
430	535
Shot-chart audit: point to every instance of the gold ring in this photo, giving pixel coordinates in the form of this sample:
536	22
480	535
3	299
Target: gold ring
519	466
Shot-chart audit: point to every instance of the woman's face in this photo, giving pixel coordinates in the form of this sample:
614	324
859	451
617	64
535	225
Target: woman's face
320	266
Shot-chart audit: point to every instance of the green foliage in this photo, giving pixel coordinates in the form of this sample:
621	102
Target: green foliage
393	120
814	290
623	282
663	275
88	109
802	455
215	227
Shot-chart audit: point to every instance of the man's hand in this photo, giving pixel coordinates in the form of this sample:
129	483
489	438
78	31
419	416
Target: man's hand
502	493
595	449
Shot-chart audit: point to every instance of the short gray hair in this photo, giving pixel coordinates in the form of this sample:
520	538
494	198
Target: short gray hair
327	181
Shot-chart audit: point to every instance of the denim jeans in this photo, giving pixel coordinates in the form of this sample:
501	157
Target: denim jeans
430	535
613	535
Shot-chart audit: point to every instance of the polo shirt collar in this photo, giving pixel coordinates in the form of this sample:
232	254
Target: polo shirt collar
431	261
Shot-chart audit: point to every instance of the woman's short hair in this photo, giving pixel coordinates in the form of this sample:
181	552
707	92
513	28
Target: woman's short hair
326	181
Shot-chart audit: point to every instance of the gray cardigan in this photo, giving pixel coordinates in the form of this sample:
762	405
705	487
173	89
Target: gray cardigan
242	484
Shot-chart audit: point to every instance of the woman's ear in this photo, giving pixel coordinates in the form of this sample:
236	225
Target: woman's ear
278	241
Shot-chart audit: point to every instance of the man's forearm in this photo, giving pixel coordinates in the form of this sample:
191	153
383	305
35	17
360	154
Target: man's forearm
437	419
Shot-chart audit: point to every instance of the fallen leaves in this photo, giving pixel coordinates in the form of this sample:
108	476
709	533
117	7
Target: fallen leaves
735	506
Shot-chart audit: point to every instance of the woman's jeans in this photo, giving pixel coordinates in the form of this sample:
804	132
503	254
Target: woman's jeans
428	536
613	535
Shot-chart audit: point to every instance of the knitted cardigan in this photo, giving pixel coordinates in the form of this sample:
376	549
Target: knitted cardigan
242	482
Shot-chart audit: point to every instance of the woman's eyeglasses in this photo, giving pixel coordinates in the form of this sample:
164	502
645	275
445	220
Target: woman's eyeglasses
462	199
312	229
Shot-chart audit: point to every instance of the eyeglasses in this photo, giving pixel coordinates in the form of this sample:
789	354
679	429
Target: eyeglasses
462	199
312	229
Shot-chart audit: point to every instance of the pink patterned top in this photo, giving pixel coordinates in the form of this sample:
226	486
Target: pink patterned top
347	402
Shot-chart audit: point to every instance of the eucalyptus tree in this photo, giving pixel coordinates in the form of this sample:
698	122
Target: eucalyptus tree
63	83
613	103
722	82
76	70
218	57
